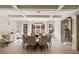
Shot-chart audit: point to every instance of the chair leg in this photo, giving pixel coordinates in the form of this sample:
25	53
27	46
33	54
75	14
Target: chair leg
27	47
46	46
49	44
23	45
41	47
1	45
34	48
30	47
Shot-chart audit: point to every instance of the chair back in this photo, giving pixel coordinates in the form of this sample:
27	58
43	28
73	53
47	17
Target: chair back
31	40
49	38
24	39
43	40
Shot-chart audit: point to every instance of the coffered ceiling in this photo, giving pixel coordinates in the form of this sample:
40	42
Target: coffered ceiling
38	6
25	12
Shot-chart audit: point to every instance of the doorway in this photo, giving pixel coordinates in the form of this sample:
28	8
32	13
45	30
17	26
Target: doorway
66	30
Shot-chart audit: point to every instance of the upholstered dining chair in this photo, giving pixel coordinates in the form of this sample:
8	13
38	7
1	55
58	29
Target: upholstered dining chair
43	42
49	40
31	42
24	38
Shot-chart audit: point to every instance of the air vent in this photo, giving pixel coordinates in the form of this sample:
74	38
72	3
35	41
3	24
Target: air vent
56	16
15	16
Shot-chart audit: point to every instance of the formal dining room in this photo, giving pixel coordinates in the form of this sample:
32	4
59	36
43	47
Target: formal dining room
39	29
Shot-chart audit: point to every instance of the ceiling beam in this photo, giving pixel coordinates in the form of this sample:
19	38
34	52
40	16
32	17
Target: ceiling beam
76	9
60	7
17	9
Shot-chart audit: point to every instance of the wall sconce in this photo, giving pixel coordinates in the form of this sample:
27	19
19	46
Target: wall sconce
65	24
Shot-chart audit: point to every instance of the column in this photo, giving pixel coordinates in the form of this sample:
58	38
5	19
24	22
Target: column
45	28
58	30
40	28
74	32
35	29
29	29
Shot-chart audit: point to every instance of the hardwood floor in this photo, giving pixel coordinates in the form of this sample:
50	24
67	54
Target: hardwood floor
56	48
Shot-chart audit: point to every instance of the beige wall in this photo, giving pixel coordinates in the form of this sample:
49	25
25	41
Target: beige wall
74	32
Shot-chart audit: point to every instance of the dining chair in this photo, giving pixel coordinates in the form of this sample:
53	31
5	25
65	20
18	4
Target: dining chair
31	42
24	38
43	42
49	40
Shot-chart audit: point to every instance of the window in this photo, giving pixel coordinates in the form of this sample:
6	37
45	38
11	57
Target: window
51	28
25	28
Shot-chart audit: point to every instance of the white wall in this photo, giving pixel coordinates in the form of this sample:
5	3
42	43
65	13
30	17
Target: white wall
13	26
4	25
74	32
20	25
58	30
7	25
